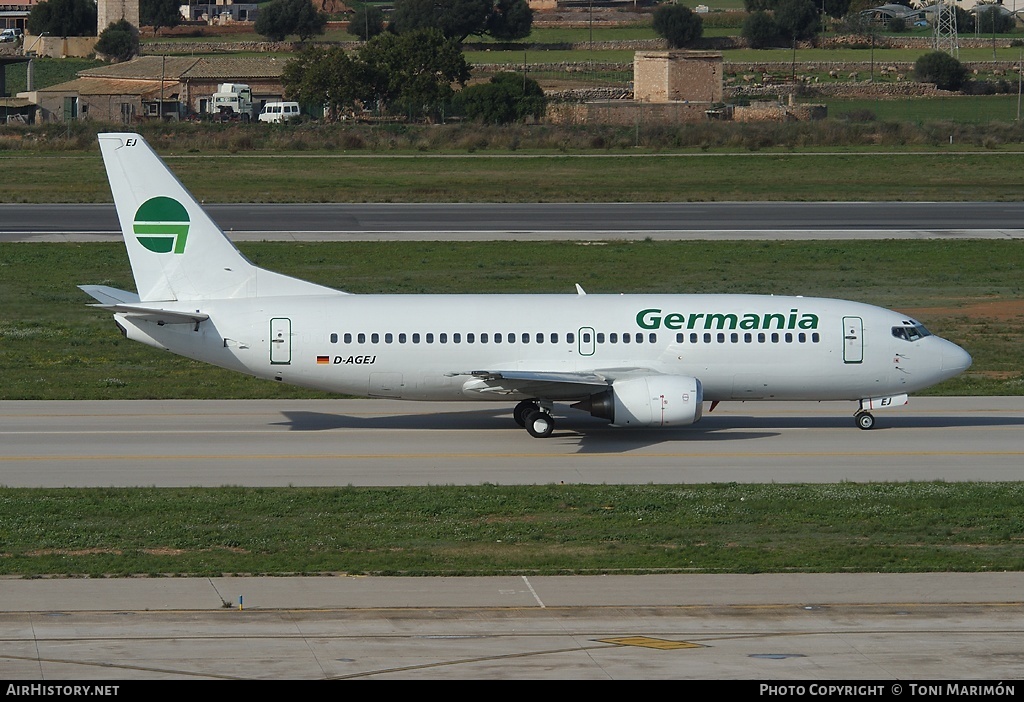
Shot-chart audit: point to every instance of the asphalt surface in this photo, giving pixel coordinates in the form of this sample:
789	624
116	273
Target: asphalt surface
389	442
867	628
543	221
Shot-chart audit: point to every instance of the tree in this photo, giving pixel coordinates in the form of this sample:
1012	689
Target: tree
836	8
760	30
408	73
680	25
509	20
326	77
458	19
309	21
279	18
938	67
991	19
159	13
119	41
63	18
508	97
797	19
413	72
367	22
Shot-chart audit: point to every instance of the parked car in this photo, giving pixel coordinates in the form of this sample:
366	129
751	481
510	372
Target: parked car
10	34
279	111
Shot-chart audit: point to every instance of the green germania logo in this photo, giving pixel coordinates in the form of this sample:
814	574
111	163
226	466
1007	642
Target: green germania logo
161	225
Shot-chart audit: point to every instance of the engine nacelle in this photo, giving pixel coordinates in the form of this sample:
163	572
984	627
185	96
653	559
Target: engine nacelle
649	401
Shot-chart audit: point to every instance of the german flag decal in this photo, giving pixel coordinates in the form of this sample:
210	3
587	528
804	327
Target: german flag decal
321	360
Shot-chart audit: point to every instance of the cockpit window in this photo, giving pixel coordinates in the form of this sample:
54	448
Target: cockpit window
910	332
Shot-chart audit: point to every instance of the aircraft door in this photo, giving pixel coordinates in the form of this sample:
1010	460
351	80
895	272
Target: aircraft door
853	340
280	341
586	341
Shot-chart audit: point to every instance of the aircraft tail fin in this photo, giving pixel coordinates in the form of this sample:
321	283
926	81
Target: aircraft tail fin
177	251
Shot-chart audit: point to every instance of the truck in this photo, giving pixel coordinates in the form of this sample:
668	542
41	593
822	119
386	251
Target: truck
231	102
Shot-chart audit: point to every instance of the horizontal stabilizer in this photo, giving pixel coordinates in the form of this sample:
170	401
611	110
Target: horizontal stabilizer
110	296
127	303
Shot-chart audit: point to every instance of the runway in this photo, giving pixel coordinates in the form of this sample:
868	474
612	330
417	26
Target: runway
387	442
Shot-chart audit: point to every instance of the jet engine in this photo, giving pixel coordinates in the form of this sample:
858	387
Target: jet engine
648	401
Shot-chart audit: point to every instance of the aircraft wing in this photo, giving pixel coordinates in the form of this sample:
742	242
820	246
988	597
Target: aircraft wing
124	302
550	385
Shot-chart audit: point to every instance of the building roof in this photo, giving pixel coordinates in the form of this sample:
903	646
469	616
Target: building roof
181	68
146	89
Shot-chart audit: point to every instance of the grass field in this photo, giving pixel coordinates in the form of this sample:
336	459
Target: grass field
476	165
502	530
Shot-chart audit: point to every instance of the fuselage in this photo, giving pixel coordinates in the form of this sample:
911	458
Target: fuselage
426	347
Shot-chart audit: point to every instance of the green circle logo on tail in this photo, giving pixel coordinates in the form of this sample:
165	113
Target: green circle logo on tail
161	225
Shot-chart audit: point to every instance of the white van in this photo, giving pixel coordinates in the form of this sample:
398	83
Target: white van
279	111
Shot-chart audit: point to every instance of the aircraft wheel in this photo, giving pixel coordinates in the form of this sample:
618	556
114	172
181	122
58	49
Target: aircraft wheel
539	424
522	410
865	420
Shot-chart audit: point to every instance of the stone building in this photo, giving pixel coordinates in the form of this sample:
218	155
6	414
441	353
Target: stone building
669	87
148	86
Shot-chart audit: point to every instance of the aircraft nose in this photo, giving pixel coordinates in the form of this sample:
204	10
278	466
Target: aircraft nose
955	358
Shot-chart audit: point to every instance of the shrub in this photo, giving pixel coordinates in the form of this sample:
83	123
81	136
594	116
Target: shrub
938	67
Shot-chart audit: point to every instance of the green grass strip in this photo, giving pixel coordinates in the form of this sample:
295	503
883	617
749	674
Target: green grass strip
502	530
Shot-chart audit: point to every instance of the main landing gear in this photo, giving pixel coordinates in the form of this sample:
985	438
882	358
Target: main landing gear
535	417
865	420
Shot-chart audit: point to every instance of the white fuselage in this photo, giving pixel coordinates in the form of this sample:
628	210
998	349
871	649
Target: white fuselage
426	347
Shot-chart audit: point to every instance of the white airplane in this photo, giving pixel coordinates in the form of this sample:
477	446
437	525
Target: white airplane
635	360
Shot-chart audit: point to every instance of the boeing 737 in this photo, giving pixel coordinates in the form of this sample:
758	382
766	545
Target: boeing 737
634	360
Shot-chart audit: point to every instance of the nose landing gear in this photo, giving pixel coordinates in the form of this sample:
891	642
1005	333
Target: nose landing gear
865	420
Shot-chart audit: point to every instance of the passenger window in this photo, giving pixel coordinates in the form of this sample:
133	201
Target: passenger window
652	337
526	337
540	337
374	338
571	338
815	337
511	338
388	338
497	338
789	338
430	338
680	337
734	337
456	338
416	338
443	338
334	338
613	338
721	338
483	338
707	338
801	337
401	338
693	338
748	337
760	337
775	337
361	338
554	337
625	338
600	337
348	338
586	338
